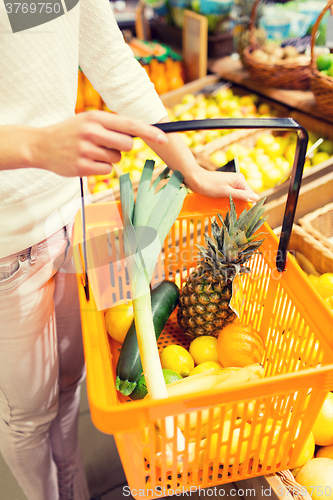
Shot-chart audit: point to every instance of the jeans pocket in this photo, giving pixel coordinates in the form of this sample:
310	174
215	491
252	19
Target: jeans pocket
13	271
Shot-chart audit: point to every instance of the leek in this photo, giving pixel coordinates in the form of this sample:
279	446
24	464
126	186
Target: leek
146	224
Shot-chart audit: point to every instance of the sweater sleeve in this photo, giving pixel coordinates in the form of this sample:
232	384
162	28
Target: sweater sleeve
110	65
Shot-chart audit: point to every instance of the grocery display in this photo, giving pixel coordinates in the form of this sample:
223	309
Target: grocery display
265	158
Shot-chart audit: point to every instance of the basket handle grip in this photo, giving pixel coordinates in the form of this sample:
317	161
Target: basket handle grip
297	171
314	32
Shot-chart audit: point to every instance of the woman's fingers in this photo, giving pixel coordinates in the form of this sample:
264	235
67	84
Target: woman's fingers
129	126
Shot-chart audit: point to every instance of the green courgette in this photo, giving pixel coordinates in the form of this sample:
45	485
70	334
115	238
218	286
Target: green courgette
164	299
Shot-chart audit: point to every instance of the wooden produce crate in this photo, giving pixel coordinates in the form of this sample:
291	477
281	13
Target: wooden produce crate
320	225
312	196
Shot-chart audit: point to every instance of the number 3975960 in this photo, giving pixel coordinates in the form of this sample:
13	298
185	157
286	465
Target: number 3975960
32	8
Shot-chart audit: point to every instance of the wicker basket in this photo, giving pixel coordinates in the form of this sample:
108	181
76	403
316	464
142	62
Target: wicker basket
318	254
284	75
321	85
320	225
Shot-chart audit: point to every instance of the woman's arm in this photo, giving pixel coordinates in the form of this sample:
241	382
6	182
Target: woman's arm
86	144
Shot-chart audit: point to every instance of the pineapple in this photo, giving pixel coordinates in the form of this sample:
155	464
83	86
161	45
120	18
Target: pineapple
204	300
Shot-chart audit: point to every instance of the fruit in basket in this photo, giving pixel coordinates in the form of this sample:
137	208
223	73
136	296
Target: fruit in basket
164	299
272	53
239	345
230	438
118	319
205	367
177	358
204	305
323	284
265	437
141	390
323	427
325	452
317	477
324	61
204	349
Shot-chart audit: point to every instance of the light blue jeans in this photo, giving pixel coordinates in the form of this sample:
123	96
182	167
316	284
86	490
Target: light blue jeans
41	367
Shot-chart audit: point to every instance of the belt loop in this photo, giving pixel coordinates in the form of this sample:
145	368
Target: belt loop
33	254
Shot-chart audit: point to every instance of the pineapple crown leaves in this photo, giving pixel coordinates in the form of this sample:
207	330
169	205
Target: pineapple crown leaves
234	242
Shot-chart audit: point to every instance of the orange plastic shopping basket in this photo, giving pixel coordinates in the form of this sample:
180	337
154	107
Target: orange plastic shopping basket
265	423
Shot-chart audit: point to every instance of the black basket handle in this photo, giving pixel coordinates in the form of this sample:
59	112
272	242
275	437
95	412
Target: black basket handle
244	123
297	171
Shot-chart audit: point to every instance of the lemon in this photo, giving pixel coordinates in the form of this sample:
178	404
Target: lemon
100	186
323	284
320	157
178	359
118	319
206	366
203	349
317	477
323	427
327	279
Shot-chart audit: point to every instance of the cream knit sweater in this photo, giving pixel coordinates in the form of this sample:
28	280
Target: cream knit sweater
38	86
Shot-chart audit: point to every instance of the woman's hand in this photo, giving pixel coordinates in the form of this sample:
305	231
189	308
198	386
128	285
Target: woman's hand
86	144
90	143
220	184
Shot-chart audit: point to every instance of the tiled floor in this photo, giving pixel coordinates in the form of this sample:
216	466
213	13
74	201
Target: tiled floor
104	470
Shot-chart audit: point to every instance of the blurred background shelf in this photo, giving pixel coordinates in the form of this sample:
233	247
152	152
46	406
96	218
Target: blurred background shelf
232	70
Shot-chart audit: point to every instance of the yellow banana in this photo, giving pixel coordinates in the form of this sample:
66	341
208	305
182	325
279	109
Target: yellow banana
199	382
242	375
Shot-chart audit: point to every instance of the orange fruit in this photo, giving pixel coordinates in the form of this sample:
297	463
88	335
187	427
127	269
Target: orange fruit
317	477
323	427
239	345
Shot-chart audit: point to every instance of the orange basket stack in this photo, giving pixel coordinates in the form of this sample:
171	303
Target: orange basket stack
270	419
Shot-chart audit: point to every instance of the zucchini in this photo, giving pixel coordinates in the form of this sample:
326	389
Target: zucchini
164	299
